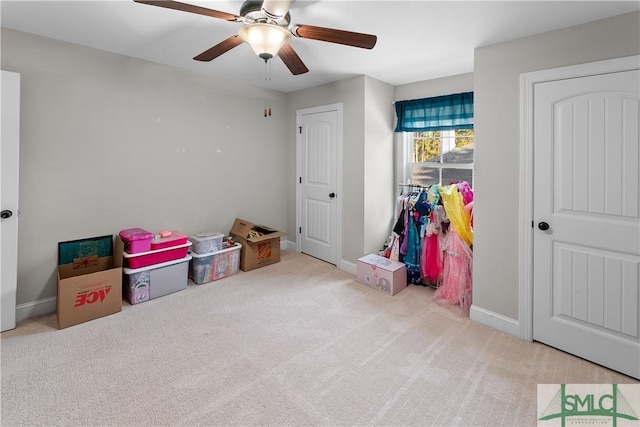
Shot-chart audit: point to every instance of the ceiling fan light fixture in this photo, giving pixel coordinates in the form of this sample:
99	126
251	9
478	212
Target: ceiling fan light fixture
266	40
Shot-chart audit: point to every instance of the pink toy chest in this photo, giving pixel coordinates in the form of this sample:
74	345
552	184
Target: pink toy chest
136	240
145	259
174	239
381	274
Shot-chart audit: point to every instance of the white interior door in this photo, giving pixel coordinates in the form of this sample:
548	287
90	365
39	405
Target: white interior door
587	218
9	151
318	143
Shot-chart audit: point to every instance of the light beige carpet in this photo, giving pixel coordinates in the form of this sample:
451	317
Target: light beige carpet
296	343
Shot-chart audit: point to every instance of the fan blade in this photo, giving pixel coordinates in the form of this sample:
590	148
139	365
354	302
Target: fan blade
292	60
169	4
365	41
276	9
219	49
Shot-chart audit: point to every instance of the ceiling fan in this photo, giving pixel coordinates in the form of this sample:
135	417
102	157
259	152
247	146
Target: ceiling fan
267	29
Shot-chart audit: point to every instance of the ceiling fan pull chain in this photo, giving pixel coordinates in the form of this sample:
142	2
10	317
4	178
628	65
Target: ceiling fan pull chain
265	87
269	66
267	77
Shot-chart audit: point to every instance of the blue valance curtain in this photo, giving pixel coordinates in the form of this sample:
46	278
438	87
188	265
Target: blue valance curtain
448	112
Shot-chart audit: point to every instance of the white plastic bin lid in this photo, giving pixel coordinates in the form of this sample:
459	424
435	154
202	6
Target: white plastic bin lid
154	266
208	254
206	235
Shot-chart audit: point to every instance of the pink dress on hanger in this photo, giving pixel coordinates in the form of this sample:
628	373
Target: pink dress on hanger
456	286
431	262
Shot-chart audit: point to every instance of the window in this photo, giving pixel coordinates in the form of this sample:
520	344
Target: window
436	139
437	157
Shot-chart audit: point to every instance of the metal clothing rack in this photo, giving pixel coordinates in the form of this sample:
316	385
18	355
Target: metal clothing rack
414	187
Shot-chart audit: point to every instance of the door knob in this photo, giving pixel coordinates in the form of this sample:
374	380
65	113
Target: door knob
5	214
332	195
543	226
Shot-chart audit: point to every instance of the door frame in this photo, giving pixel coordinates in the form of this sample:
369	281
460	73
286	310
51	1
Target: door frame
312	110
525	221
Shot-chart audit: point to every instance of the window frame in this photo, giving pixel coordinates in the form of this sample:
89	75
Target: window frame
405	162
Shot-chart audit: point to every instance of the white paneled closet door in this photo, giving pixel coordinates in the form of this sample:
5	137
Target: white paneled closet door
587	218
318	148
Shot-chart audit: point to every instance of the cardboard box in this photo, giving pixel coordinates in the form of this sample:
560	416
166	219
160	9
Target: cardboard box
381	274
260	244
89	286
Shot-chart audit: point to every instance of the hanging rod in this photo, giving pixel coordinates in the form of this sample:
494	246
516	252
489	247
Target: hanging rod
413	185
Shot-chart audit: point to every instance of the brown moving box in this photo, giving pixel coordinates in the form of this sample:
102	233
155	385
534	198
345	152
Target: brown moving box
260	244
89	286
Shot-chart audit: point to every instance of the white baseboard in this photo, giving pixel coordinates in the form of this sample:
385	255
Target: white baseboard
35	308
347	266
287	245
494	320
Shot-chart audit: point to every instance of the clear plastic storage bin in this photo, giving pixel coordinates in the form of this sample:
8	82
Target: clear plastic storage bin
206	242
143	284
215	265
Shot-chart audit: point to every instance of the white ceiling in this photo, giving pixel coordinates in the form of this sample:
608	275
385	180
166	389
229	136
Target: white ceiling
417	40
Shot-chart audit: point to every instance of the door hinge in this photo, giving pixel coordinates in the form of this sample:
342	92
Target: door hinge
300	129
300	180
531	224
300	230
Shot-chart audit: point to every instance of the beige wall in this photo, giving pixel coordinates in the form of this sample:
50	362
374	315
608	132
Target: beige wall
110	142
436	87
366	147
378	165
497	106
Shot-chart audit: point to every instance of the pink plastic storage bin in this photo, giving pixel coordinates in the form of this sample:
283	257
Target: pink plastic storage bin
136	240
174	239
145	259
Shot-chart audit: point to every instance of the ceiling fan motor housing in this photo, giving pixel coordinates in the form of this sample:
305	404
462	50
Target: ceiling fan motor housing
251	11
